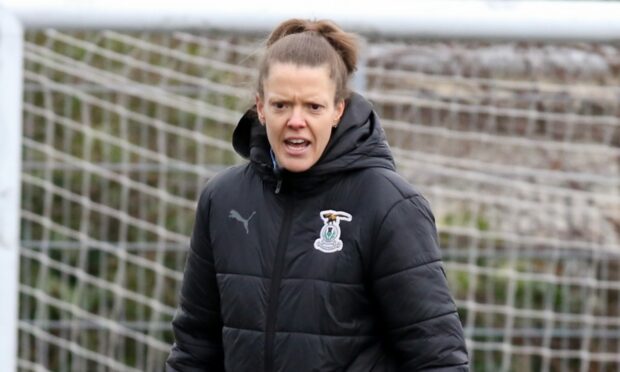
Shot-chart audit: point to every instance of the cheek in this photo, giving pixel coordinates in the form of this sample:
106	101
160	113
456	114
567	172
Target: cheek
324	136
274	132
271	136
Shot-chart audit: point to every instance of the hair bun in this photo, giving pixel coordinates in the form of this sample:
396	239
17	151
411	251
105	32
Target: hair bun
292	26
344	43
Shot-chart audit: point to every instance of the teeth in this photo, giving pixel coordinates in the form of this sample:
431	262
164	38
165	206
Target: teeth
297	141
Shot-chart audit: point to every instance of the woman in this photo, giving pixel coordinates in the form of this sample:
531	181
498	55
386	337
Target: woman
316	255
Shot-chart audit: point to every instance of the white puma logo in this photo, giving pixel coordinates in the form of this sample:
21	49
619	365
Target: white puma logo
235	215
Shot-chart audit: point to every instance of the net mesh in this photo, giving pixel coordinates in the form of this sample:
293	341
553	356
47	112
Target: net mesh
516	145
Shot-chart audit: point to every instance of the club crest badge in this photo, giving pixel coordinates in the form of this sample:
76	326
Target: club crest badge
329	240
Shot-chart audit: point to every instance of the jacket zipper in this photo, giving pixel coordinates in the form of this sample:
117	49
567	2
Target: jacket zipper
276	278
278	185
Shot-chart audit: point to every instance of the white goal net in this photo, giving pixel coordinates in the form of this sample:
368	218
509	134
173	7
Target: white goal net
516	145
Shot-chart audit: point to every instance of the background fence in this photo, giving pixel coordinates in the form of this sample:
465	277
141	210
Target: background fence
515	144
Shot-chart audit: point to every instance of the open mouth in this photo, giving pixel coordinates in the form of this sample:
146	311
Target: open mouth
296	145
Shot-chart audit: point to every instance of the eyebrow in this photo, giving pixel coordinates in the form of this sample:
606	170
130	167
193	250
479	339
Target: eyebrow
312	99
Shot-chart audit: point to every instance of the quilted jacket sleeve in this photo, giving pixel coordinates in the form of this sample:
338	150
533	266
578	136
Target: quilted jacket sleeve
420	318
197	325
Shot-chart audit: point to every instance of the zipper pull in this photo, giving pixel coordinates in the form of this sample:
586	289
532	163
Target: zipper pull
278	185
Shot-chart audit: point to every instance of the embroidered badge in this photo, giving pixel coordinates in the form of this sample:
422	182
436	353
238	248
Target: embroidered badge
329	240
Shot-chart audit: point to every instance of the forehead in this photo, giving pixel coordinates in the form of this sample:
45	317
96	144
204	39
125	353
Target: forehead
287	79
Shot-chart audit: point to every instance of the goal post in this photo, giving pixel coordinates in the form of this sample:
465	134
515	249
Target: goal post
128	108
11	62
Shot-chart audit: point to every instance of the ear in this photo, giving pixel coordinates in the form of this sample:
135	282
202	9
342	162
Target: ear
340	106
260	109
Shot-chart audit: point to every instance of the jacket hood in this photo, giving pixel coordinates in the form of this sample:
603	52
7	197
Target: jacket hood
357	143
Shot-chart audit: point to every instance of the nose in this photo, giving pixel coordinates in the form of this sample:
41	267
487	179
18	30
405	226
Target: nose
296	120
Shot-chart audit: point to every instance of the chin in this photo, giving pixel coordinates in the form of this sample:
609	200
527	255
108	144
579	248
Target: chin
296	166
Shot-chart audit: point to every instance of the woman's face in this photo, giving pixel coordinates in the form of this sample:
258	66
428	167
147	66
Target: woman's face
299	113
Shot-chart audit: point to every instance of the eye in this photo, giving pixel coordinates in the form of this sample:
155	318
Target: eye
278	105
315	106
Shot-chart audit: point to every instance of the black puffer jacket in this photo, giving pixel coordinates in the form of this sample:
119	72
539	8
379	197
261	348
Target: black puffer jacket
339	270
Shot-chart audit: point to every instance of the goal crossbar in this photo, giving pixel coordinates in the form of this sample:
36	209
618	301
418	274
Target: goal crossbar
514	20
